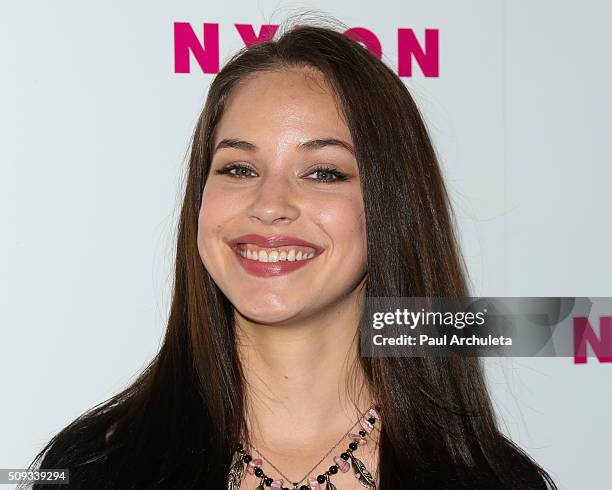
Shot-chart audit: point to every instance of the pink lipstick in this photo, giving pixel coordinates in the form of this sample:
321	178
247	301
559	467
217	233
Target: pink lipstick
280	260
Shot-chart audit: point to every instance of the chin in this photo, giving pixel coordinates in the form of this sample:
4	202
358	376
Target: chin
267	313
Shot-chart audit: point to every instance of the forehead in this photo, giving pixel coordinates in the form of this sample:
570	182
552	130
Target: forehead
287	105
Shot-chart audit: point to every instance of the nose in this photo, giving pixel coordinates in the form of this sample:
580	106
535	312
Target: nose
274	201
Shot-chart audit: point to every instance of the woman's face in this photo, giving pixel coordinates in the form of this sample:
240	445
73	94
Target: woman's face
282	226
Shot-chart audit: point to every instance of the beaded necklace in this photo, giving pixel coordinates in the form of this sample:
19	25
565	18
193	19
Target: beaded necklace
242	461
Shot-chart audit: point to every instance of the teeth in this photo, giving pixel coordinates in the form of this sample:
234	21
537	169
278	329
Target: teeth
275	255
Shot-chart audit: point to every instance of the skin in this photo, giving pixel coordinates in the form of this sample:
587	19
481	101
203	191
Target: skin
297	331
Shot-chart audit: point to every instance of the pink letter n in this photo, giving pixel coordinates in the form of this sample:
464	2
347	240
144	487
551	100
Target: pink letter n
428	58
186	42
583	333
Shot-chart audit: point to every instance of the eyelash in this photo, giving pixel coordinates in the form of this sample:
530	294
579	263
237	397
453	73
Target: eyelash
339	176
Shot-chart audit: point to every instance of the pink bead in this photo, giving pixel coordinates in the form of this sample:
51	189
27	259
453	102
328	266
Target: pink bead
367	426
314	484
251	466
342	465
374	413
277	484
358	439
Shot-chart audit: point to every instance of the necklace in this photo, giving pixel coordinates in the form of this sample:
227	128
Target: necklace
242	461
318	463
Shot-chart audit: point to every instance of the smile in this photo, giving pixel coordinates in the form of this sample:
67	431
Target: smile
273	256
289	253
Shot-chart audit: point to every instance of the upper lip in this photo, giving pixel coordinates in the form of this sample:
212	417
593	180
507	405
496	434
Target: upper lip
273	241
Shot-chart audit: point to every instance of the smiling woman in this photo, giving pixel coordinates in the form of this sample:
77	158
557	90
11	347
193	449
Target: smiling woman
312	183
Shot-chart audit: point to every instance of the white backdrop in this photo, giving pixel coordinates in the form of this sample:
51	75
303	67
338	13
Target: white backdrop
95	126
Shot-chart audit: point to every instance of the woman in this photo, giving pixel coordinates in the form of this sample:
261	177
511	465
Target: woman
312	183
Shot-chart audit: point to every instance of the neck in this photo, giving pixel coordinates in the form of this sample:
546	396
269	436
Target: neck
303	378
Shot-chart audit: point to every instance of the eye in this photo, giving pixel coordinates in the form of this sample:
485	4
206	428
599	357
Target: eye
324	173
242	173
328	174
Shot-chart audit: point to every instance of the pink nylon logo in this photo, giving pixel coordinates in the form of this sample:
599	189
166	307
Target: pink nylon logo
204	46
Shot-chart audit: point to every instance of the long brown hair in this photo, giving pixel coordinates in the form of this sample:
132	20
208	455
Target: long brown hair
176	425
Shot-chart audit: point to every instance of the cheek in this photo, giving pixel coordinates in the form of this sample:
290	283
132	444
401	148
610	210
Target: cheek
219	204
344	221
213	213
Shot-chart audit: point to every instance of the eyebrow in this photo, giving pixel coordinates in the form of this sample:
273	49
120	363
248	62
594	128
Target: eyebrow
315	144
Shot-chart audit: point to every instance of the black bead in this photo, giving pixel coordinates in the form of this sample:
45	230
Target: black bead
353	446
345	456
321	479
239	447
333	469
258	472
372	420
246	458
362	433
303	487
268	482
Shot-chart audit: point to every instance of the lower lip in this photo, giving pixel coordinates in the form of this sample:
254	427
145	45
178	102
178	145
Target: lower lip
268	269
